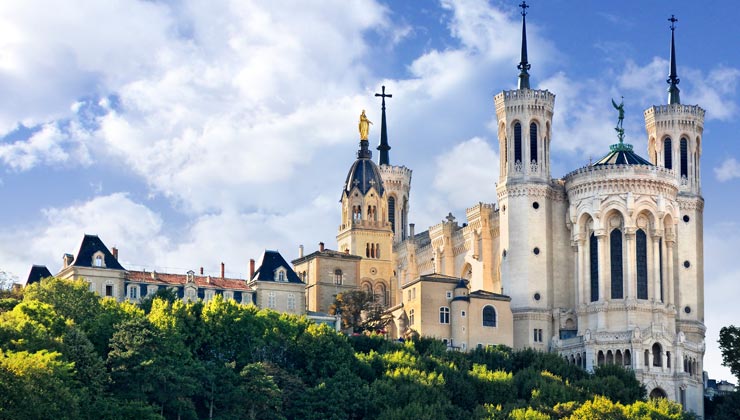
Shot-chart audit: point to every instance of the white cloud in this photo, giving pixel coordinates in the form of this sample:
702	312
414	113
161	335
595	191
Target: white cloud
728	170
49	146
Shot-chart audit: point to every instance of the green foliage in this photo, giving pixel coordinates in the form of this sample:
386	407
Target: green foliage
360	311
729	344
66	353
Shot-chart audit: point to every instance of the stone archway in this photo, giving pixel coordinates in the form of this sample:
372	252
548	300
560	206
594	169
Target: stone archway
658	393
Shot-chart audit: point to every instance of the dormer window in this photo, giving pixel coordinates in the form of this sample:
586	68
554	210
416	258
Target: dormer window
191	276
98	260
280	274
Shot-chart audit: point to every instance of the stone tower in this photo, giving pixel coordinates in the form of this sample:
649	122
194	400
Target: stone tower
525	198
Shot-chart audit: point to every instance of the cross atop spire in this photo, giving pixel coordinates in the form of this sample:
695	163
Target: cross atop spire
383	147
524	65
673	80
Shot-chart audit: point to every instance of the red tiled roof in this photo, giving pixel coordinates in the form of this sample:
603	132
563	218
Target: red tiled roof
181	279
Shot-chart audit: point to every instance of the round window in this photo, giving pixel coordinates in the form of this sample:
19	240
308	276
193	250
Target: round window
503	254
686	264
686	218
536	251
537	296
687	309
535	205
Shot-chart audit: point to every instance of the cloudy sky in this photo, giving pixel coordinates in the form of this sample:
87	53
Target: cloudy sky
187	133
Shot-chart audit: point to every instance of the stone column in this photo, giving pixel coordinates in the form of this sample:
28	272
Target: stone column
656	268
670	243
630	273
581	273
604	293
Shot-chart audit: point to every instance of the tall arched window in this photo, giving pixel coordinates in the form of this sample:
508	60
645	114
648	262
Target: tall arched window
517	143
641	260
668	153
684	157
489	316
444	315
657	355
660	260
338	276
615	254
392	213
593	247
533	142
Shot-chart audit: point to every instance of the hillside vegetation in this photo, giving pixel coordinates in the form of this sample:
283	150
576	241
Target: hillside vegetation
65	353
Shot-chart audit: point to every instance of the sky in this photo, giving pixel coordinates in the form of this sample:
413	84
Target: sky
190	133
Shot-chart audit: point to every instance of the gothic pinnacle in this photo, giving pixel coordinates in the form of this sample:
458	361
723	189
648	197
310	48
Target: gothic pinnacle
524	65
383	147
673	80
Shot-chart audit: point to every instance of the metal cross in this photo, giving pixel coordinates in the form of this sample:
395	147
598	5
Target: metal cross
450	218
524	8
383	95
673	21
355	182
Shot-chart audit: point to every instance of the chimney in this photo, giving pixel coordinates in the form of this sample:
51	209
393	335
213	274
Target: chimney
411	230
251	268
222	269
201	271
114	251
300	251
67	258
321	247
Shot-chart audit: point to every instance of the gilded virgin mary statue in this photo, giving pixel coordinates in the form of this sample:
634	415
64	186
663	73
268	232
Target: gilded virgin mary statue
364	126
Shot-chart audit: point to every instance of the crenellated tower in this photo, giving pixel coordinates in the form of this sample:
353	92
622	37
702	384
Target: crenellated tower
396	180
526	203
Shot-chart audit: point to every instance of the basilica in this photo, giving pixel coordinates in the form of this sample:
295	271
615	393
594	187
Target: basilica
602	266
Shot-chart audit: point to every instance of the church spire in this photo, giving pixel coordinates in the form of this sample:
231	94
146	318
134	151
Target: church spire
673	80
383	147
523	64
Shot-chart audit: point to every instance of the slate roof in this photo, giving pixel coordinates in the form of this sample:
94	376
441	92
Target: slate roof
181	279
482	294
364	174
37	273
89	246
326	253
269	263
622	154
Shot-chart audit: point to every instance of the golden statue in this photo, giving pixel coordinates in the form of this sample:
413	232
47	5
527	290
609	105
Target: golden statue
364	126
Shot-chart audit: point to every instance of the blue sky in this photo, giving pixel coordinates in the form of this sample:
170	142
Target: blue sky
189	133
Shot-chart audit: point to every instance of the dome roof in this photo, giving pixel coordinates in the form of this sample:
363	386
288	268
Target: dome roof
622	154
364	174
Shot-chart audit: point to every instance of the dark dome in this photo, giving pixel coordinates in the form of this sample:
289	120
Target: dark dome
622	154
364	174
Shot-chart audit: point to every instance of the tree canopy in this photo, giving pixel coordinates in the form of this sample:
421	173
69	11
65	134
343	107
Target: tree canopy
67	353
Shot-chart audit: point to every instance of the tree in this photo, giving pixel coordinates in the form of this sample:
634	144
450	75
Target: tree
729	343
360	311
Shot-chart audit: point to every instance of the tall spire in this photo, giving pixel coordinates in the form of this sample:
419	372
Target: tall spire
524	65
383	146
673	80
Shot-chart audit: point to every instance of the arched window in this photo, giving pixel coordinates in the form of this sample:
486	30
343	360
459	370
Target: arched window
657	355
517	143
593	247
668	153
380	293
627	358
609	357
647	358
600	358
377	250
411	317
533	142
338	276
618	358
444	315
489	316
668	359
615	253
369	290
367	250
684	157
392	213
641	260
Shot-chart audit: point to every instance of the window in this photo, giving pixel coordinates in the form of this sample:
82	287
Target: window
98	261
392	213
660	258
228	294
151	289
533	142
444	315
291	301
657	355
109	290
209	294
409	295
191	294
281	275
462	314
517	143
647	358
411	317
448	294
668	359
489	316
271	300
615	253
684	158
668	153
641	260
90	286
537	335
593	247
338	276
133	291
413	293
